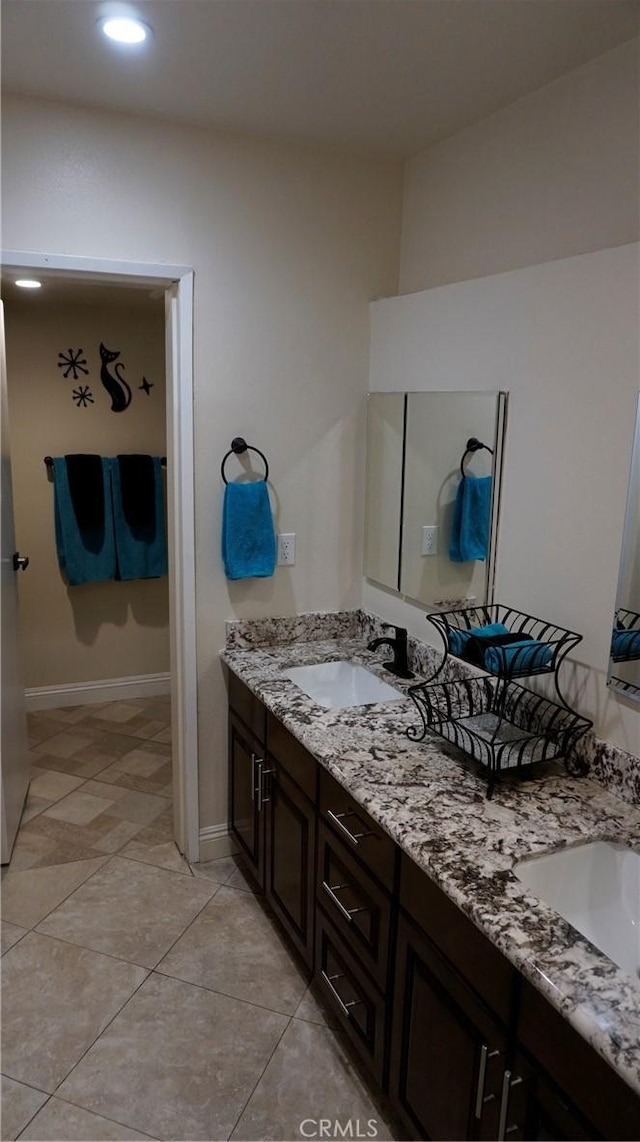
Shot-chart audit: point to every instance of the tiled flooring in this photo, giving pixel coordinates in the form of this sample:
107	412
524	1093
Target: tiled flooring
141	997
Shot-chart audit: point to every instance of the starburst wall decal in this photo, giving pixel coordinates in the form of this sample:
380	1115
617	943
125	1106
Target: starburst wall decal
73	363
83	396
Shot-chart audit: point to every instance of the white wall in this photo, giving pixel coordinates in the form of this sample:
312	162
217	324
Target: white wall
289	245
552	175
562	340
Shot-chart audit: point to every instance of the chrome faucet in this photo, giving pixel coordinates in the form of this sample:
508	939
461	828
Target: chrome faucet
399	665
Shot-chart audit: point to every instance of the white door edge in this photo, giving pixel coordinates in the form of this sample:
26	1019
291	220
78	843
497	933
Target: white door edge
177	280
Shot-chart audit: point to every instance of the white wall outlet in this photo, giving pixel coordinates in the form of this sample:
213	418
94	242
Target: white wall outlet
287	549
429	541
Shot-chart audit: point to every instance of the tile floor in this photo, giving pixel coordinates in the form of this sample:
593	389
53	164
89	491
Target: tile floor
143	997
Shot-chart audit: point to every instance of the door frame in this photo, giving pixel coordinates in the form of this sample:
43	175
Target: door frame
177	283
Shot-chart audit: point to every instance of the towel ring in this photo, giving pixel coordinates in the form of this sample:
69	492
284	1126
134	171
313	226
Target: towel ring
238	445
473	445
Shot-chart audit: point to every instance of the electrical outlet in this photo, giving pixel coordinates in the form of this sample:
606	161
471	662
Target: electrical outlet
287	549
429	541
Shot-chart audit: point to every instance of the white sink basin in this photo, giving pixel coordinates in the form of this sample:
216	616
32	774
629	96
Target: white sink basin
339	684
596	887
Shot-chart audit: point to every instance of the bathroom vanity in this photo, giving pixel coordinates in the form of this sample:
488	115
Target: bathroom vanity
476	1007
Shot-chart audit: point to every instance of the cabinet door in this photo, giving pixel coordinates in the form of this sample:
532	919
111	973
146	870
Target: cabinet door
245	818
534	1108
289	856
448	1052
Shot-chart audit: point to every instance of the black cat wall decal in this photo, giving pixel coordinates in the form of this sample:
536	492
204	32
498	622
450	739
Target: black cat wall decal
116	387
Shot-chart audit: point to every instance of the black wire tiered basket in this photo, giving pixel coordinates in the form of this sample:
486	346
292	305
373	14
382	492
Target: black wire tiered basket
502	725
528	646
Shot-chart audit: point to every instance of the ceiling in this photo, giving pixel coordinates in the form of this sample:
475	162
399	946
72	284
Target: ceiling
381	77
58	289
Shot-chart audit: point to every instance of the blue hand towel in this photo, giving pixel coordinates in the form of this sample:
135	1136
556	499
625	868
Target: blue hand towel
458	639
84	522
248	535
471	519
138	517
625	645
518	658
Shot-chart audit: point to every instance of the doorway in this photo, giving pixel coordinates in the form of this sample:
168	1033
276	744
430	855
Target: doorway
172	288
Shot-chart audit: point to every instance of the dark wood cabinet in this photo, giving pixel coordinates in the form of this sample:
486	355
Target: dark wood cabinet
448	1051
359	1005
290	835
465	1046
567	1087
534	1108
245	819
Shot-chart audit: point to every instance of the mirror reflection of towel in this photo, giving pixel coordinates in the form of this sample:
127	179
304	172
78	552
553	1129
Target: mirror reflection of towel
471	519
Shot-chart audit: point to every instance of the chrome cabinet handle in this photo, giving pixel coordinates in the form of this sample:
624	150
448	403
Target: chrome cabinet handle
481	1099
253	776
262	774
256	786
508	1084
344	1007
348	913
355	838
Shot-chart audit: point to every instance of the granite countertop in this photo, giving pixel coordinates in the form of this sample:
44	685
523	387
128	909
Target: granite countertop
432	802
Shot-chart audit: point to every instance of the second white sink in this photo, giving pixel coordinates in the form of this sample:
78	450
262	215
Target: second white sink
336	685
596	887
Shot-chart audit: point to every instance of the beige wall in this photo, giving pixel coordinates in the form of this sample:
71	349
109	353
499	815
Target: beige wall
97	630
289	245
562	340
552	175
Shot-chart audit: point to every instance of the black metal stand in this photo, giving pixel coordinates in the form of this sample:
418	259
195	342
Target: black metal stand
501	724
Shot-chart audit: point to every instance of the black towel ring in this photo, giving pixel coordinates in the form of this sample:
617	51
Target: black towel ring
238	445
473	445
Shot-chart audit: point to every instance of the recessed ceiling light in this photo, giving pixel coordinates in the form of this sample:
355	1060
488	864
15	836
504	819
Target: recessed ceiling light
28	283
125	29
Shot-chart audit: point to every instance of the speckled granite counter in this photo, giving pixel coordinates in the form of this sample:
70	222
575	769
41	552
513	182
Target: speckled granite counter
432	802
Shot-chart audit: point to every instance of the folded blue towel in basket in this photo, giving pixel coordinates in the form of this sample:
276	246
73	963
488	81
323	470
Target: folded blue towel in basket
625	645
248	534
459	639
518	658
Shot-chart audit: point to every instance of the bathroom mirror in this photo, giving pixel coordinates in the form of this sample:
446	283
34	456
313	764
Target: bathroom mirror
624	660
416	453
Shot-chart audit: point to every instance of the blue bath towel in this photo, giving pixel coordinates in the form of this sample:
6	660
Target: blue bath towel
84	519
471	519
518	658
138	517
248	535
625	645
459	639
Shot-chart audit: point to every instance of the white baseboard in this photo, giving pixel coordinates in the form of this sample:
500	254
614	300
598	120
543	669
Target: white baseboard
216	841
107	690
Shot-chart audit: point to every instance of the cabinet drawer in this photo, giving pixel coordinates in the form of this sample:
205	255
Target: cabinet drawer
292	756
359	1005
355	903
474	956
353	824
245	704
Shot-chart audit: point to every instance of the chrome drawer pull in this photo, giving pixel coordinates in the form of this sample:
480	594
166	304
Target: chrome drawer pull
339	1000
481	1098
355	838
348	913
264	773
254	783
507	1086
